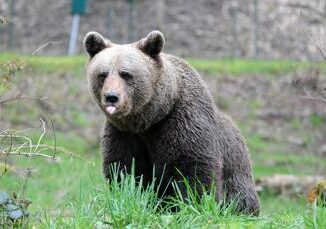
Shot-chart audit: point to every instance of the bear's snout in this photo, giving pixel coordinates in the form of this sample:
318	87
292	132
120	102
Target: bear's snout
111	97
114	103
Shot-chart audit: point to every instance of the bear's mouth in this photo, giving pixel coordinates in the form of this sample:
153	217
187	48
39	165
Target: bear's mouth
114	110
110	109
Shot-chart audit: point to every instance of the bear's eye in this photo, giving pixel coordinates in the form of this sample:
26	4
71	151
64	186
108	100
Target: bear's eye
101	76
125	75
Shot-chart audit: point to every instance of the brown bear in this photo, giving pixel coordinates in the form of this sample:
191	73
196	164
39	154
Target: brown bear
161	116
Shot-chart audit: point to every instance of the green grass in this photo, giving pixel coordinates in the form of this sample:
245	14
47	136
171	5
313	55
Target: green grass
234	67
71	193
317	120
88	201
127	205
49	64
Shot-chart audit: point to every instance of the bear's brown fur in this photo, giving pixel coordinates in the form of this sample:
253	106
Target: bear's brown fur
160	113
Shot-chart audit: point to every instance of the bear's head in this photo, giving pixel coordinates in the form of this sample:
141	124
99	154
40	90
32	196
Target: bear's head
124	79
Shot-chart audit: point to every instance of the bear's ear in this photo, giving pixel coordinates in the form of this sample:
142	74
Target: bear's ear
152	44
94	43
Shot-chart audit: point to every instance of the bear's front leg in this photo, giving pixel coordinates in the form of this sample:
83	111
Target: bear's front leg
124	149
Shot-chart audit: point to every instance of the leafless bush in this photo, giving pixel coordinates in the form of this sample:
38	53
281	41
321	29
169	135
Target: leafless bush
18	144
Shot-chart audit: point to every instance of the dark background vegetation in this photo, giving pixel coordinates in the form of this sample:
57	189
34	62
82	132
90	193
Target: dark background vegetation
263	61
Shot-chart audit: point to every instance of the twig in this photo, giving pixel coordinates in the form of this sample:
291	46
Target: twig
47	113
306	7
54	137
317	46
320	99
6	158
19	136
40	138
321	51
44	46
27	154
48	147
28	174
20	97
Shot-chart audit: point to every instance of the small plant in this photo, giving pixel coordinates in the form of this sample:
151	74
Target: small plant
8	70
13	211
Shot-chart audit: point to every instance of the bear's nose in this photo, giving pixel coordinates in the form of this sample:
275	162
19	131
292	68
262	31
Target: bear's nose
111	97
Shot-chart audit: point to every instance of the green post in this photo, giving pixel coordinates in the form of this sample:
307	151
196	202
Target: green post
78	7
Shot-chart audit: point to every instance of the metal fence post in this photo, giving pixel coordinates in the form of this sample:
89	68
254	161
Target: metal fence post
73	34
78	7
132	20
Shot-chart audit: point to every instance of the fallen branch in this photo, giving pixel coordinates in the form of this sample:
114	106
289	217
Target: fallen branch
44	46
6	159
288	185
20	97
307	8
6	154
321	51
48	147
319	99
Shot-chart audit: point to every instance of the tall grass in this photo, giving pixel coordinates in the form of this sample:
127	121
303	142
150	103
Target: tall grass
126	204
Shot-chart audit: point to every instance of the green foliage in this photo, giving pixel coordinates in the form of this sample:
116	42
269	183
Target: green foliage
8	70
317	120
121	204
295	123
255	104
126	204
79	198
256	143
315	217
